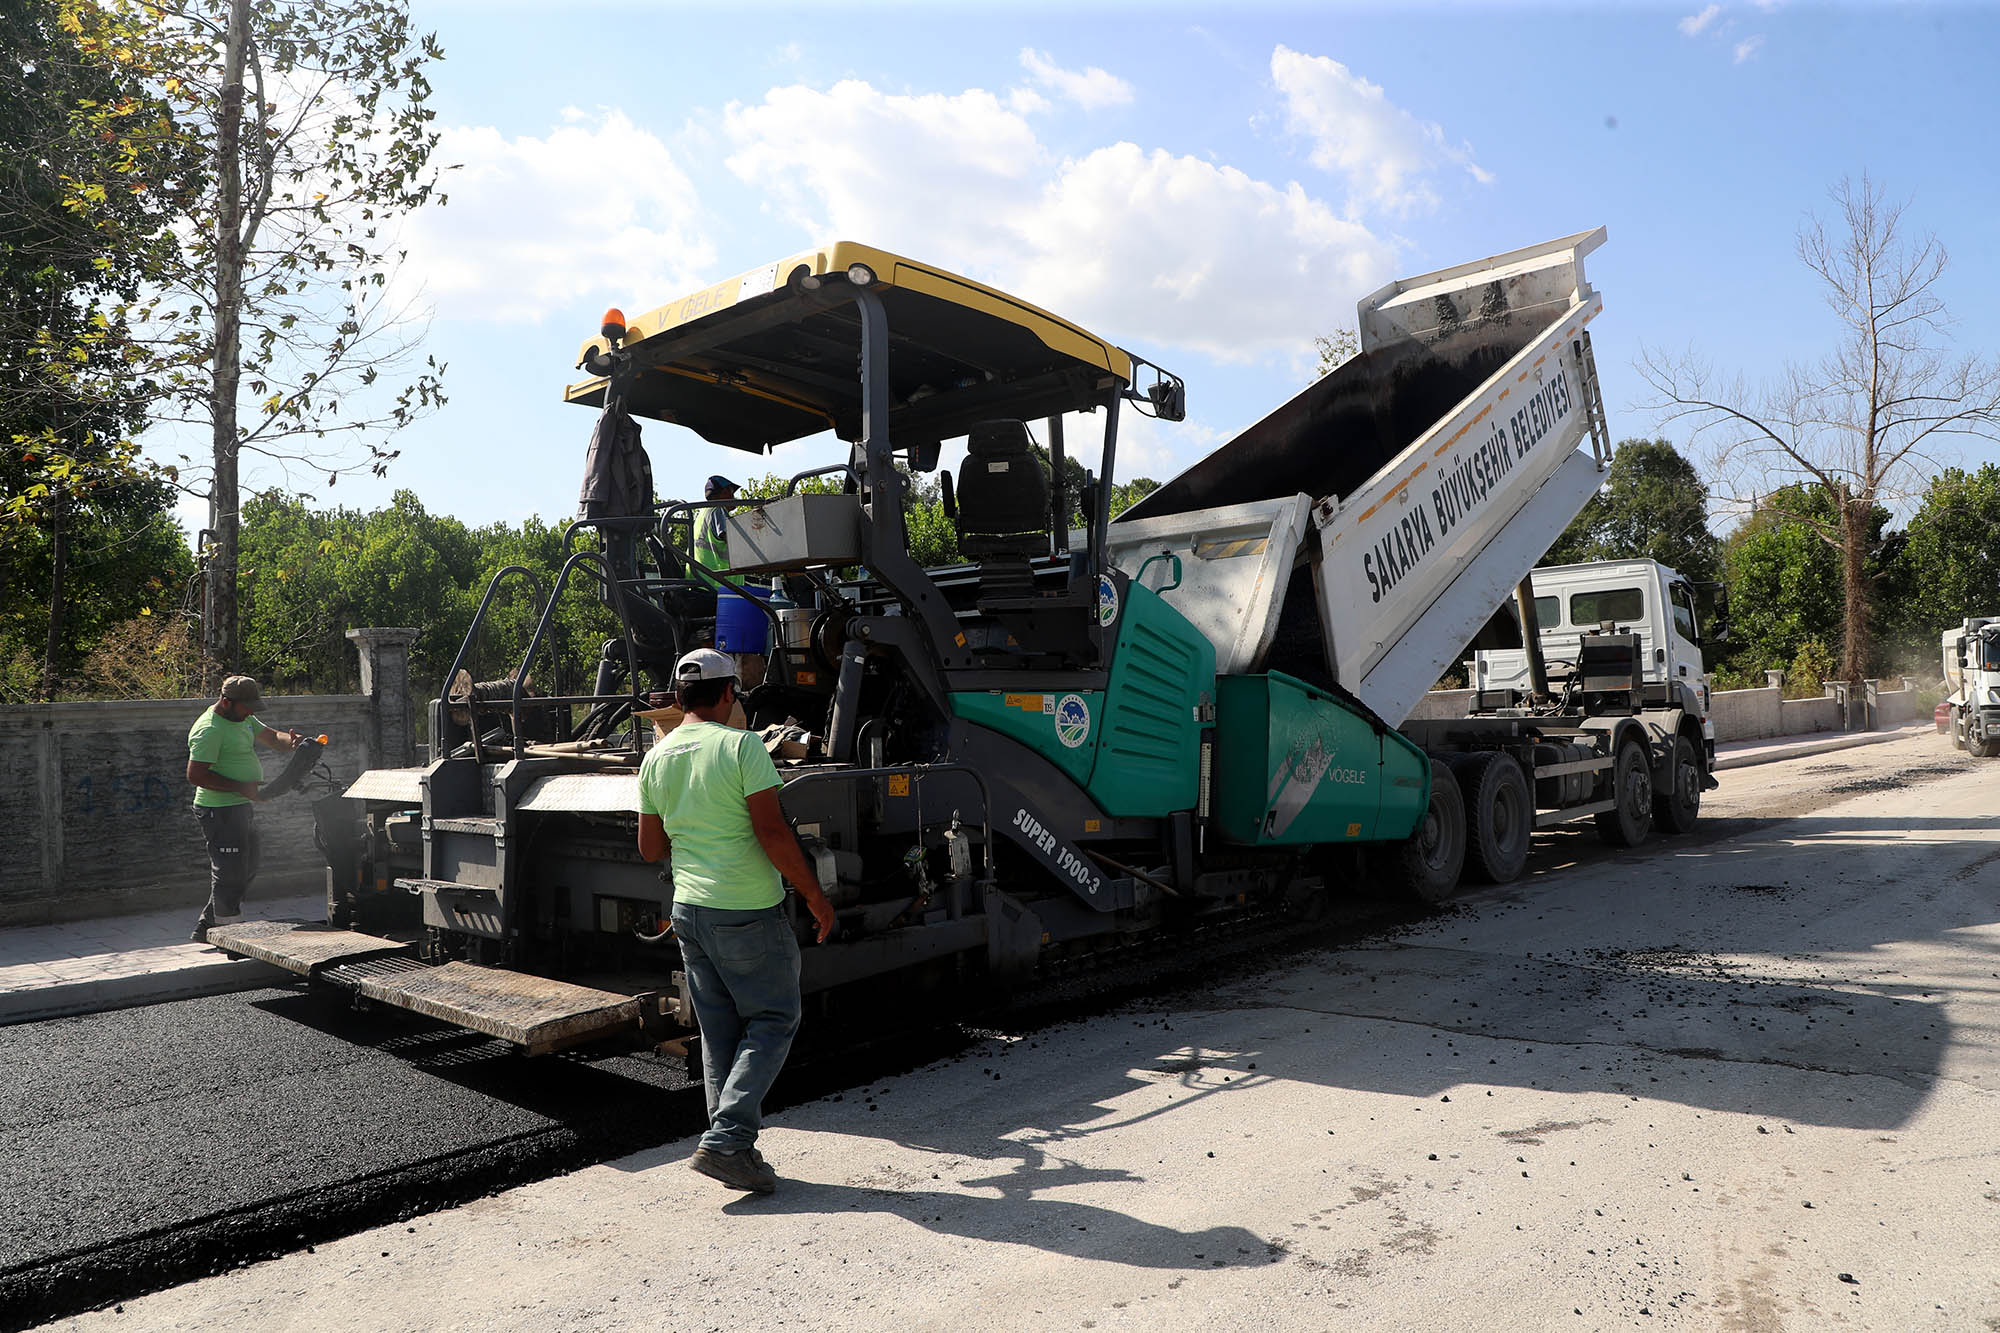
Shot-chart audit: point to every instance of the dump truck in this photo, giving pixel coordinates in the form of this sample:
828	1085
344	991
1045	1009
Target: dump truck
1088	735
1970	658
1649	599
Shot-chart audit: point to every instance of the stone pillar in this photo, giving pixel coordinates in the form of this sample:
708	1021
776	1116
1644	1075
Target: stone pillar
385	678
1774	680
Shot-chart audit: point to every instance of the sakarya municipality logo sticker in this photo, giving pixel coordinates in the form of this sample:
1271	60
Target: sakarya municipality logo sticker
1107	601
1072	721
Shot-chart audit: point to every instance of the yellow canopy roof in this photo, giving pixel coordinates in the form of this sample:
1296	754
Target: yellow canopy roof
773	354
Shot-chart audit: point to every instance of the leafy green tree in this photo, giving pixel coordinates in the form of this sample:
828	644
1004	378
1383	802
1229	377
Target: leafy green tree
1654	505
270	322
108	554
311	574
1948	564
85	201
1785	586
1334	350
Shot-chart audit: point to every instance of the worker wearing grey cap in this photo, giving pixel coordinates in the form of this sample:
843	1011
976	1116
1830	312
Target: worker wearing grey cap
711	535
713	791
225	773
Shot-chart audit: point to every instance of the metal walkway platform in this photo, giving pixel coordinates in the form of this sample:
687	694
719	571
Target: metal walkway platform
304	949
535	1013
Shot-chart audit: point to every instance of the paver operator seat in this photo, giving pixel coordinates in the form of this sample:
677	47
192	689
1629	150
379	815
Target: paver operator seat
1003	506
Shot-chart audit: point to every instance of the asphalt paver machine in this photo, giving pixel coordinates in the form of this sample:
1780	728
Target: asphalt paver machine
1087	735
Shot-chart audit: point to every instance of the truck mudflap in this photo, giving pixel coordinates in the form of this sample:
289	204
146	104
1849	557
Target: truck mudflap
538	1014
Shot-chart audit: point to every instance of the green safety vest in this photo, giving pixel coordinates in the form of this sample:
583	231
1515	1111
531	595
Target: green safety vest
711	540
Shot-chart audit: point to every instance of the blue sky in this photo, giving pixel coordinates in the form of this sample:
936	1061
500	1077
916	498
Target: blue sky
1209	186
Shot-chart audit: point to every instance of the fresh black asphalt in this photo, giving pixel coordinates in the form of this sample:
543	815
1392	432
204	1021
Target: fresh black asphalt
145	1147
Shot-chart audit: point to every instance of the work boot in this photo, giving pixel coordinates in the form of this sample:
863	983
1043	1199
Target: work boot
744	1170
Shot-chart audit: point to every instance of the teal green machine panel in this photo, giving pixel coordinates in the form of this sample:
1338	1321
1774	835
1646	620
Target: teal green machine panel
1294	765
1149	748
1135	746
1061	726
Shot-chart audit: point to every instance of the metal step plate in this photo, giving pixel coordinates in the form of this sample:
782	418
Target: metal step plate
535	1013
297	947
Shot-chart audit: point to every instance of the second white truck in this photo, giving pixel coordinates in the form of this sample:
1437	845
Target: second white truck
1970	657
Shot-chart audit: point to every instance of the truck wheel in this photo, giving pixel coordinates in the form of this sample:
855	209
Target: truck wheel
1499	816
1958	730
1676	809
1632	788
1425	865
1987	747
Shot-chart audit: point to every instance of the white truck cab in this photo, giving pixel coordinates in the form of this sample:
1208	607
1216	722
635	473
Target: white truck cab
1971	662
1641	597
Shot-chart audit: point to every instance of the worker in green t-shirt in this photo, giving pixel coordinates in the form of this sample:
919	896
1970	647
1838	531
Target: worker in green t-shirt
710	793
225	772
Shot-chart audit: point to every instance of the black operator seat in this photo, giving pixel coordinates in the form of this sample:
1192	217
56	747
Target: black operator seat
1003	493
1003	523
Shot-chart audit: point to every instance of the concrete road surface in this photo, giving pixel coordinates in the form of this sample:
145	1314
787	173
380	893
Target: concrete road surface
1746	1083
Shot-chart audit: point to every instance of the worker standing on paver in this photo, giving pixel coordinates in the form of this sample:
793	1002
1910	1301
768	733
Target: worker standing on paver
225	772
711	792
711	534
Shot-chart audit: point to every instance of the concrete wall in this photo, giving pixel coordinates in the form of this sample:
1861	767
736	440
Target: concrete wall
1798	717
96	813
1741	715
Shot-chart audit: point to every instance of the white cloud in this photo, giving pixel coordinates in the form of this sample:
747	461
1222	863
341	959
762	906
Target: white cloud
1150	248
1695	24
596	210
1748	48
1027	101
1179	250
1091	89
853	162
1385	153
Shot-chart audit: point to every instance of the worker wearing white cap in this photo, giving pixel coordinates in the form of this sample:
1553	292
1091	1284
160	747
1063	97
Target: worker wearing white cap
709	792
226	774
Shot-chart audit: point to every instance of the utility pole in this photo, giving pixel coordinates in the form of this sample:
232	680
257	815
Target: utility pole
221	639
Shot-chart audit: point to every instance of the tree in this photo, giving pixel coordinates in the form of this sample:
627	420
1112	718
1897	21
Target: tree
87	172
1654	505
271	323
1785	580
1861	424
1948	563
1334	350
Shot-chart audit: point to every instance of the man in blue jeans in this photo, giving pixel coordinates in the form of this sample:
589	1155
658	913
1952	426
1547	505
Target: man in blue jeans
711	791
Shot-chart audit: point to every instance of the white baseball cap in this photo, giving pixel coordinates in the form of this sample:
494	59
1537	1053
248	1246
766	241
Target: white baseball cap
704	664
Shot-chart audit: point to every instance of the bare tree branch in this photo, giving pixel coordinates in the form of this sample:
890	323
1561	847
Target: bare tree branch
1859	426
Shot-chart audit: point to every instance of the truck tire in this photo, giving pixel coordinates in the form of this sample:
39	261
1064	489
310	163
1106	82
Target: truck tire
1632	788
1986	747
1676	809
1499	816
1425	865
1958	730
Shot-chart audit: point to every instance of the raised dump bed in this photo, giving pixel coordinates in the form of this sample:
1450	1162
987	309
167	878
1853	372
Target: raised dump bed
1409	491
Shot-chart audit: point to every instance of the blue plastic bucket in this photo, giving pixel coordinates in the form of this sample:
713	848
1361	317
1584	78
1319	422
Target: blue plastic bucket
740	624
